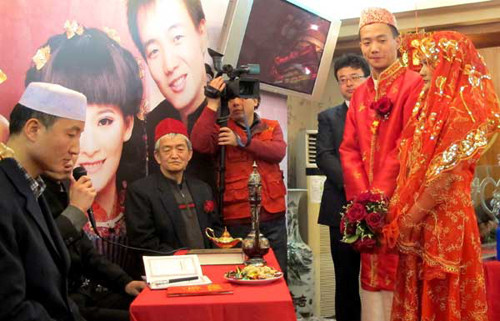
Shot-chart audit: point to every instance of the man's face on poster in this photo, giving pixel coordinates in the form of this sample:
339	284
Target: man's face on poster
174	49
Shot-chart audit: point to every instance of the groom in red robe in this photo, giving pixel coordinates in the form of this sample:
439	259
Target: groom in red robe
379	110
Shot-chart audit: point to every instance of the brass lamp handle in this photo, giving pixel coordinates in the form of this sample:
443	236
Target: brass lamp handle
207	230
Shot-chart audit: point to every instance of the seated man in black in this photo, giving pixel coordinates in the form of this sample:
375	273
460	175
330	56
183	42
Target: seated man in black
169	210
102	290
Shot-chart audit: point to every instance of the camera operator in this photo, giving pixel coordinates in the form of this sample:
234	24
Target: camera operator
267	148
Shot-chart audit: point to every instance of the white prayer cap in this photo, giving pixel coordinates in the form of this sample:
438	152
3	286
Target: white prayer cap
55	100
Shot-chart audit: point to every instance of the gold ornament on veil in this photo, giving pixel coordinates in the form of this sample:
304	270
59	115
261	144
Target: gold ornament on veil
428	50
415	59
475	77
410	56
450	48
440	82
73	28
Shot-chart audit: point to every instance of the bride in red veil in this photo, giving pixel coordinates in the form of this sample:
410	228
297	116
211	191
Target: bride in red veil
431	221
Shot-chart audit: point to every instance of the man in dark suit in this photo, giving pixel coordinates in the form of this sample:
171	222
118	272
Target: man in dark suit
101	289
169	210
350	71
45	128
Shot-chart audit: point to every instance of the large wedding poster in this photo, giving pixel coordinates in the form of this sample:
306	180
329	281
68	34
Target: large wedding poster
126	56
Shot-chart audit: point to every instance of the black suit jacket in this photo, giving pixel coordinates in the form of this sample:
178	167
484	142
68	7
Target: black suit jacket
330	132
86	261
152	215
34	261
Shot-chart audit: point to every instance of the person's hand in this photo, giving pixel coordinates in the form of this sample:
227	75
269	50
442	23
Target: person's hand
405	234
390	234
133	288
5	151
410	232
227	137
218	84
81	193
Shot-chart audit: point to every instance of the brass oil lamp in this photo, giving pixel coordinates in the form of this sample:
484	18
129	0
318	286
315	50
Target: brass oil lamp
225	241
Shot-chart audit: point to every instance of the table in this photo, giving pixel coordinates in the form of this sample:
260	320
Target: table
248	303
492	280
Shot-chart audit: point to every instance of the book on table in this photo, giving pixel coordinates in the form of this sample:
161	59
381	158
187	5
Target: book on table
219	256
169	271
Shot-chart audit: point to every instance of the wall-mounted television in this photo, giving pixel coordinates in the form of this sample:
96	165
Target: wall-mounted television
293	45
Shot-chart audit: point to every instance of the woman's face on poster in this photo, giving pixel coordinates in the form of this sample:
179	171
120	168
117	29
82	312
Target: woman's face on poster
101	143
174	48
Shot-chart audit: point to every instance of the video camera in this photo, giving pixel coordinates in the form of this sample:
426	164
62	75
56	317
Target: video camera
236	86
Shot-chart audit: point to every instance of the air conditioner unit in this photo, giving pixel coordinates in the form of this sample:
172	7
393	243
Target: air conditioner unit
315	235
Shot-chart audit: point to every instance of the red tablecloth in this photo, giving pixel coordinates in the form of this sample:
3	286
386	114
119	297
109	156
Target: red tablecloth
248	303
492	278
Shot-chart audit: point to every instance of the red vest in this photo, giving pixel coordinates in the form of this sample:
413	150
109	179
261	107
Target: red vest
238	168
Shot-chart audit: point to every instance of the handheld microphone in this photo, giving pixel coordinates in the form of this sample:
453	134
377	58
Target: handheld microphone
81	171
77	173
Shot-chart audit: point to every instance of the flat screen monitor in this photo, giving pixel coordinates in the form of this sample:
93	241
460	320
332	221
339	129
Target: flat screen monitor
293	45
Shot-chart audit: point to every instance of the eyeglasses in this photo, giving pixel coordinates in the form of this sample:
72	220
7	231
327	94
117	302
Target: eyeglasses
353	78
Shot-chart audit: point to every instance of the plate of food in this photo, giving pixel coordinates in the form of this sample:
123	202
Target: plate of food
253	275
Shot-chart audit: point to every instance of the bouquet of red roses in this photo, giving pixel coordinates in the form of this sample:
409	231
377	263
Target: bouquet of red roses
362	221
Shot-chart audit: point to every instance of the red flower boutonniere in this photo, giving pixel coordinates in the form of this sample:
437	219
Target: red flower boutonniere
383	106
209	206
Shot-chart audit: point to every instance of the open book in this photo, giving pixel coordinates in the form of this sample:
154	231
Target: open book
177	270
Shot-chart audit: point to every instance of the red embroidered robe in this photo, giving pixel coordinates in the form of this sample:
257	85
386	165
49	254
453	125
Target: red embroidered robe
369	153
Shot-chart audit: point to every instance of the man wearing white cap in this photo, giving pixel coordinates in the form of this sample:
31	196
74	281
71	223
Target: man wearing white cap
45	128
378	111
